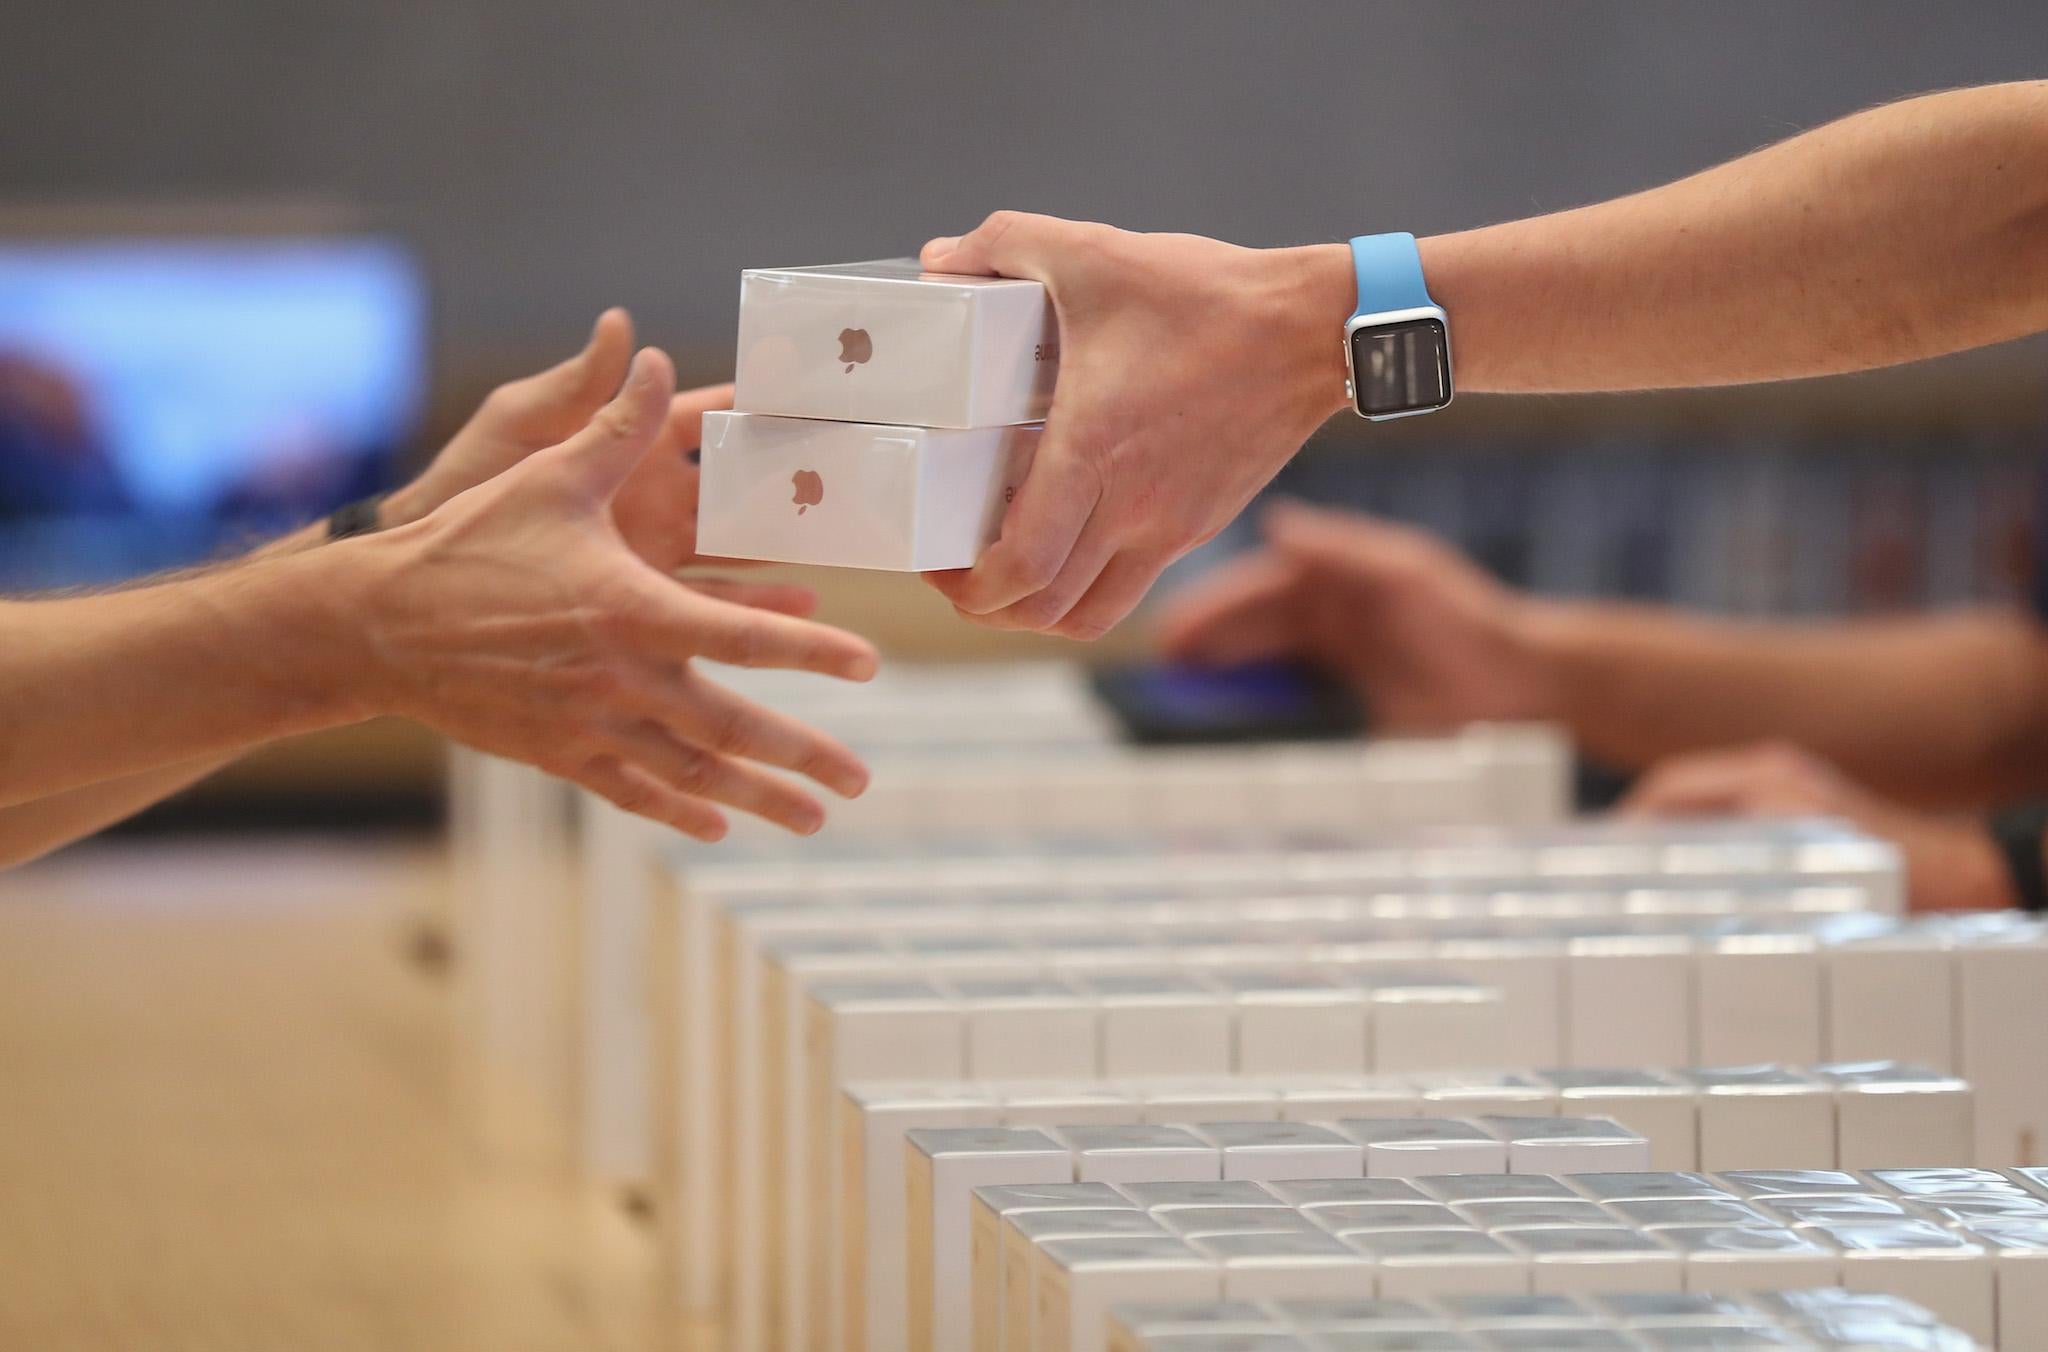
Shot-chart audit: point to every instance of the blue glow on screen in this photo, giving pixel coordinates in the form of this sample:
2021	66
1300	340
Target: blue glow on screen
158	398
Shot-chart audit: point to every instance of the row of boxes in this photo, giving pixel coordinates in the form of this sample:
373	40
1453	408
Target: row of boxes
1065	782
770	992
1820	1319
1855	1116
1970	1245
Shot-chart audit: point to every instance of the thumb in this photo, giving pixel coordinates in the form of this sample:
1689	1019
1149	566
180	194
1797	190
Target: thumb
605	452
1007	244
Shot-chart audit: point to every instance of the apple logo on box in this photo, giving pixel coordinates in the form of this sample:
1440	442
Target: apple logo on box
809	490
855	347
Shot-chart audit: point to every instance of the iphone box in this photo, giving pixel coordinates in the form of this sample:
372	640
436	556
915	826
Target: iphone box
887	342
854	494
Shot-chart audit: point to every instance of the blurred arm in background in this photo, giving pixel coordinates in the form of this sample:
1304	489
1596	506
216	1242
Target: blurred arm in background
1192	370
1945	713
467	615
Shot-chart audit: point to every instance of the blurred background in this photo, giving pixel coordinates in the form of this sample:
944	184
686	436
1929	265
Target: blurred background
257	260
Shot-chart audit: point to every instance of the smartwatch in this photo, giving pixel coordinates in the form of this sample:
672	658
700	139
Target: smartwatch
1397	345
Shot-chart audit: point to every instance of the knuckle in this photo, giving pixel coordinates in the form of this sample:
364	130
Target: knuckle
727	730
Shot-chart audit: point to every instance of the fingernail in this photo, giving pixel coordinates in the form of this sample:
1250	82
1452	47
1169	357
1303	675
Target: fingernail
942	246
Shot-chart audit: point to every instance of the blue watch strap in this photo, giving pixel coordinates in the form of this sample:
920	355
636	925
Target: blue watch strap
1389	269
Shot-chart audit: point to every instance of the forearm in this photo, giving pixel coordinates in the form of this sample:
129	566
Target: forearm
1945	711
1904	232
102	687
29	830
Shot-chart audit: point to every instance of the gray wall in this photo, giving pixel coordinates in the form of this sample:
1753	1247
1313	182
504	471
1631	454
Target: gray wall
554	158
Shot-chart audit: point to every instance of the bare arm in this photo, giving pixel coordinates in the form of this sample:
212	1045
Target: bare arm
1908	231
1193	370
1944	711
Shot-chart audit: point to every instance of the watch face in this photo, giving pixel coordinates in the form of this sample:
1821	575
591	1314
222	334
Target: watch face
1403	367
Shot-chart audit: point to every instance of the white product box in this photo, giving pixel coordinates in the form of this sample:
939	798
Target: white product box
868	1262
1312	1194
1630	1002
1345	1218
1075	1281
1657	1105
1297	1265
1176	1196
1653	1185
1482	1094
855	495
1758	998
2019	1252
1413	1147
1887	1114
886	341
1460	1188
989	1249
1002	1269
1671	1213
1161	1025
1058	1103
1922	1262
943	1168
1529	974
1027	1029
1275	1150
1295	1023
1203	1222
1597	1258
1758	1116
1327	1098
2002	987
1569	1145
1891	995
1751	1258
1434	1025
1532	1213
1413	1264
1196	1100
1139	1153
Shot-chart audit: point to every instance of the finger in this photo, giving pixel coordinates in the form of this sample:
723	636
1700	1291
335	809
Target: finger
1007	244
742	637
1690	786
698	773
1044	609
1242	610
557	401
686	413
1353	543
723	721
640	793
1114	596
781	597
614	440
1038	534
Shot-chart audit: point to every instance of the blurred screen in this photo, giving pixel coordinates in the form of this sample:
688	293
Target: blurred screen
163	400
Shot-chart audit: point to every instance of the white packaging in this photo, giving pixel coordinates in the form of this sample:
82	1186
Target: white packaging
1053	1103
1532	1213
1435	1025
1751	1258
1758	998
1630	1002
1888	1114
943	1168
1669	1213
1295	1024
1312	1194
1413	1264
1344	1218
855	495
1922	1262
1764	1116
1655	1104
1075	1281
1482	1094
868	1262
1204	1222
1298	1265
1276	1150
1140	1153
1414	1147
1328	1098
1891	996
2019	1252
1202	1100
1461	1188
1654	1185
1161	1025
2002	989
1002	1265
1569	1145
1600	1259
989	1235
1027	1029
886	341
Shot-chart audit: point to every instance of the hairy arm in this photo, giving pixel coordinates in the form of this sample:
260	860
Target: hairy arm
1948	711
1907	231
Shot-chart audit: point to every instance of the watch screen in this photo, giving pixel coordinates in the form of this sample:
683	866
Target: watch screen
1401	368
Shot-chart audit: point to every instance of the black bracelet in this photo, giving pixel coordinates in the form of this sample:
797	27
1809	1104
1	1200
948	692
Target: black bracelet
2019	833
356	518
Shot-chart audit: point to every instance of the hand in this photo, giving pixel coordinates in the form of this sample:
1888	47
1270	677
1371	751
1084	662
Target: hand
1951	861
657	507
1428	639
515	618
1190	371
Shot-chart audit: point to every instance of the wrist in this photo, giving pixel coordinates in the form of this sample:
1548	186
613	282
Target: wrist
1315	291
1953	864
295	617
